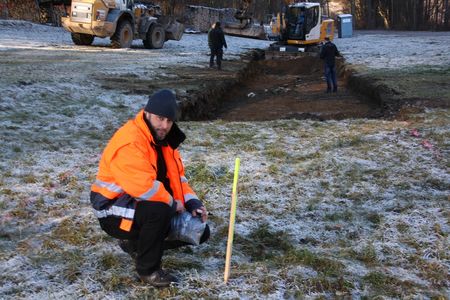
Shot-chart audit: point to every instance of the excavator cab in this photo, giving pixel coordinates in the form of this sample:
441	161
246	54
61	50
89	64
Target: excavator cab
301	28
300	20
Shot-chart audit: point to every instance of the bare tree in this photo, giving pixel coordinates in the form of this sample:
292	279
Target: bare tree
368	14
446	16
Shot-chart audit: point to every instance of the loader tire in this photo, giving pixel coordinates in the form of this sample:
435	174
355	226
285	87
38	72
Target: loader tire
155	37
82	39
123	37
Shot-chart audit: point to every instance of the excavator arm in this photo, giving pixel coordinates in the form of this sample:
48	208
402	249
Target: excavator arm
243	13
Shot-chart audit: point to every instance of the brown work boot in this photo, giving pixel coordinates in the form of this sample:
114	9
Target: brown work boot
159	278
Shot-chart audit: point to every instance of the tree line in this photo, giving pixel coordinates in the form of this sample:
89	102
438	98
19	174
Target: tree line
401	14
367	14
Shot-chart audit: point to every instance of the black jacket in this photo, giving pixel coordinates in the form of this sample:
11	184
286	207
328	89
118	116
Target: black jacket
328	52
216	38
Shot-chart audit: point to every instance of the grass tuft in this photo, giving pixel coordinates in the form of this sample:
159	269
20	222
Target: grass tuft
324	265
263	243
374	218
386	284
276	153
268	285
74	232
367	255
177	263
346	215
201	173
29	178
73	264
109	261
116	281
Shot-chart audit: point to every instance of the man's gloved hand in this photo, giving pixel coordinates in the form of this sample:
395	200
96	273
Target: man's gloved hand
202	212
196	208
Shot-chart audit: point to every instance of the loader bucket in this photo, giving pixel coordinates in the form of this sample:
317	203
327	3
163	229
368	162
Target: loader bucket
174	29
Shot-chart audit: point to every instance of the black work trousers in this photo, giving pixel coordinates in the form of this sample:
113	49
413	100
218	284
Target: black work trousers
218	53
151	226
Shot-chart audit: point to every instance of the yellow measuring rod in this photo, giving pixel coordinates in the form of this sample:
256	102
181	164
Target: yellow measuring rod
232	219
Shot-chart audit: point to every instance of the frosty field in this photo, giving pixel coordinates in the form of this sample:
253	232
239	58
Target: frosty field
335	209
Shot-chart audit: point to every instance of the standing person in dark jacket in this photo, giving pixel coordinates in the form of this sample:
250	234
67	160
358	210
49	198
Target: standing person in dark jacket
328	52
216	42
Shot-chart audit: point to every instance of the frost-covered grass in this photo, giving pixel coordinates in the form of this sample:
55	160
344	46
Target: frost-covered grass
413	65
396	49
338	208
357	206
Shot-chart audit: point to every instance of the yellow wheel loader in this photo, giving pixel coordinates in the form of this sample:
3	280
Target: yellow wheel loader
301	28
122	21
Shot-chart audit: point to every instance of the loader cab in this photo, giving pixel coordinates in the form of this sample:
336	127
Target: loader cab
124	4
130	4
301	20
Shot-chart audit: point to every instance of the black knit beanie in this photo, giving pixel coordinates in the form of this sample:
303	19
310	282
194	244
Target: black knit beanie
163	103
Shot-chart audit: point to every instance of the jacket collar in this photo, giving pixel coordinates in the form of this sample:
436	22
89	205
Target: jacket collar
174	138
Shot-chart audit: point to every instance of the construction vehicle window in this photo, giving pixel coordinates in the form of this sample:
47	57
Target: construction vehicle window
297	19
312	17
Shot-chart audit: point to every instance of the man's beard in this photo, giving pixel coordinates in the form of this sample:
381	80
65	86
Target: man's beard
156	133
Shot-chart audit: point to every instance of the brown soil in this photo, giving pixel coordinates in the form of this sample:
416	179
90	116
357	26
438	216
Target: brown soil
292	88
254	89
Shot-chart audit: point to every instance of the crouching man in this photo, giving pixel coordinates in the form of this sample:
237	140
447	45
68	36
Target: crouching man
141	186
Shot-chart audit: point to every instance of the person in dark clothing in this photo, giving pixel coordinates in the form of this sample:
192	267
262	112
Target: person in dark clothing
141	185
328	52
300	23
216	42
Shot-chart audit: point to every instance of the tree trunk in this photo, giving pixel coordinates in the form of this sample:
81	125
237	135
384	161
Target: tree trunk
399	14
4	9
392	13
352	11
426	13
446	15
22	10
414	9
368	14
436	15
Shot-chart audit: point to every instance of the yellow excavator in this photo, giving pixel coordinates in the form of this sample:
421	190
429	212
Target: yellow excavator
301	27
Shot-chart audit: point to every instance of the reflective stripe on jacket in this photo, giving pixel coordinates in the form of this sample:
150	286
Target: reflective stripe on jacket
128	171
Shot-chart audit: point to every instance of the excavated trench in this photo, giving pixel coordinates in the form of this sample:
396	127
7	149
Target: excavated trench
262	86
284	87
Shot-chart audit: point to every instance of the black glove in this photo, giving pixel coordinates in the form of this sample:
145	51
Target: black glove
192	205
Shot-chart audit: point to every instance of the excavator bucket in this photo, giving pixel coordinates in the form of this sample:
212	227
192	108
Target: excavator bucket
248	30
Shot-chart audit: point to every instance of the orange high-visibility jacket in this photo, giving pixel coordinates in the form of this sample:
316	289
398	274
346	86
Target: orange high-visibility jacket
128	170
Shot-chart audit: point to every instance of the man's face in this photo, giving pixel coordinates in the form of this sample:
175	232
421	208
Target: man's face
160	125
